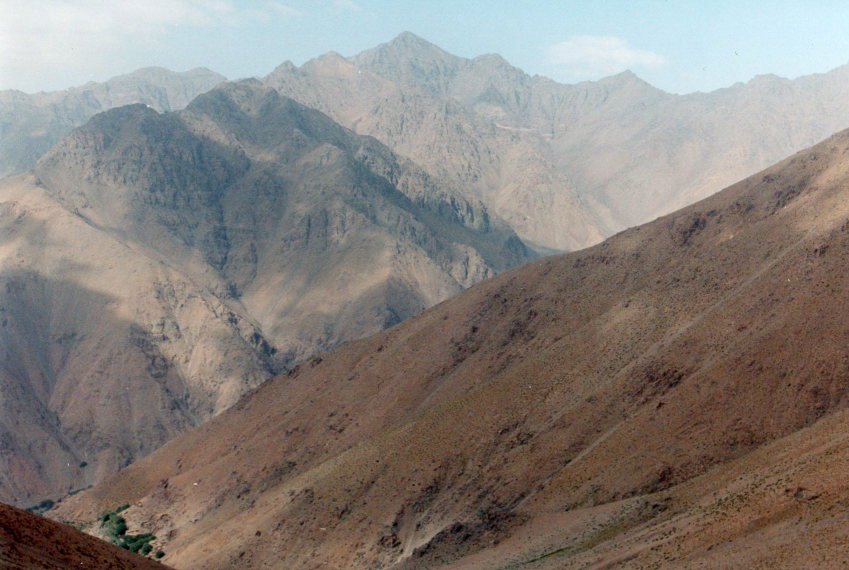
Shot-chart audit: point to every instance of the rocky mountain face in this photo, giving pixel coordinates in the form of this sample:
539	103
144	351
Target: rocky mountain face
566	164
31	123
501	167
673	396
106	349
159	266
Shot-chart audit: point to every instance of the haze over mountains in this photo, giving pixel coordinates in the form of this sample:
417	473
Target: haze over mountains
566	164
31	123
675	396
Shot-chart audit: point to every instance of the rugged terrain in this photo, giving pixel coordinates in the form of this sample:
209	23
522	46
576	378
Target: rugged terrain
674	396
563	165
566	165
107	351
158	266
31	542
31	123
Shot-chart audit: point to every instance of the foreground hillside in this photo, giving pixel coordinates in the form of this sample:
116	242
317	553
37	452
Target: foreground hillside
31	542
672	396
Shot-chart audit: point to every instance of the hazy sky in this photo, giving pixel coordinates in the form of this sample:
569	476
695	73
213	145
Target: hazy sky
679	46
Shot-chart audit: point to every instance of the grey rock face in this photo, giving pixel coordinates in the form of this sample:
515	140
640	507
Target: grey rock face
566	165
161	265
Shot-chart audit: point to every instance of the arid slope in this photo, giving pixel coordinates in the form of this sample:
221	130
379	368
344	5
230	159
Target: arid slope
606	395
31	542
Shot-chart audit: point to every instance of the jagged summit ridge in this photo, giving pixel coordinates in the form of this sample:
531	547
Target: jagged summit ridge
566	165
586	146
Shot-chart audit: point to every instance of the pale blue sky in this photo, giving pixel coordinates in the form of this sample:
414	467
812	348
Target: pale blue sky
678	46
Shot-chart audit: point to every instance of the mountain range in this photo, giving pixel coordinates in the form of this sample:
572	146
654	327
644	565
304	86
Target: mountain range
158	266
566	165
674	396
178	239
31	123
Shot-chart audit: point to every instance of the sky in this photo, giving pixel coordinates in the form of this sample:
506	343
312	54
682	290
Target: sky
679	46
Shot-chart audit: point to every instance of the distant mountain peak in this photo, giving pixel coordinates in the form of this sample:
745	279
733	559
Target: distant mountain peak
492	59
250	86
158	74
151	70
409	59
285	69
407	45
767	79
331	56
115	120
626	76
249	96
627	73
411	39
627	79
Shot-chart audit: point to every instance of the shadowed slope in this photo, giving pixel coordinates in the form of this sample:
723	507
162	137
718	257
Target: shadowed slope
106	350
567	386
161	265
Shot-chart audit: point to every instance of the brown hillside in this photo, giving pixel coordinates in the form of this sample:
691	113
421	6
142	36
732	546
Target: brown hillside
638	401
31	542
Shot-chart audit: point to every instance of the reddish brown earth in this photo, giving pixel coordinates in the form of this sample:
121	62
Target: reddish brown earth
675	396
29	542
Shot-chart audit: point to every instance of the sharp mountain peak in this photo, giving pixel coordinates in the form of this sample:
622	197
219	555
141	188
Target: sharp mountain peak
624	78
405	45
410	59
410	39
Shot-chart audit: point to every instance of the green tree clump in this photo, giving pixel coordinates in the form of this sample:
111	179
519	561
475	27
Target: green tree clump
115	528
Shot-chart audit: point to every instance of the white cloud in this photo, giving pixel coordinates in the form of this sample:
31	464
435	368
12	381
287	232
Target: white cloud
595	56
43	38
